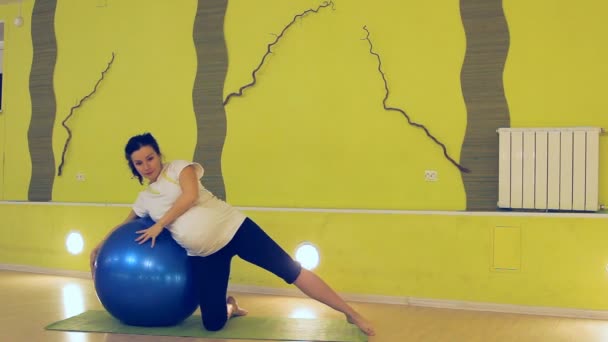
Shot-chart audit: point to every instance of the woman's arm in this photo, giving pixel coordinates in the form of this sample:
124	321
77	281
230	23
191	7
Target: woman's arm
188	182
95	251
129	218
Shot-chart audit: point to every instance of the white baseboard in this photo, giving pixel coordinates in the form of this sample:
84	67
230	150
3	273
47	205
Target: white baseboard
377	299
509	308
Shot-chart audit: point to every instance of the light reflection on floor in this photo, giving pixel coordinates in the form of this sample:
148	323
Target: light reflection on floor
304	313
73	304
73	300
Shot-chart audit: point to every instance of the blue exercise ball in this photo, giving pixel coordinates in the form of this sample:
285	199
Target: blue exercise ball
145	286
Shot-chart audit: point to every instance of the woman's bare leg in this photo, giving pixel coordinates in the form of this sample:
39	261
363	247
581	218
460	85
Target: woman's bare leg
316	288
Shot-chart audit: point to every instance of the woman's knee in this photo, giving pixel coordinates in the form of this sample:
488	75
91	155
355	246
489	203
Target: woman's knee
214	322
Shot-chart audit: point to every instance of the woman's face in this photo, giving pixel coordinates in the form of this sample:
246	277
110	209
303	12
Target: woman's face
147	162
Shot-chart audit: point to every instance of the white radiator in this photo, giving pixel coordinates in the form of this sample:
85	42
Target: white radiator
549	168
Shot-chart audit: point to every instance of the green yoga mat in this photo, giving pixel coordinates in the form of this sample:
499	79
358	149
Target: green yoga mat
246	327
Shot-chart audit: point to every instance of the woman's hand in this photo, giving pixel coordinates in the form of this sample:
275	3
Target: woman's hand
150	233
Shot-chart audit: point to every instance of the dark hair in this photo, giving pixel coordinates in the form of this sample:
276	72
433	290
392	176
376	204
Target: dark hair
134	144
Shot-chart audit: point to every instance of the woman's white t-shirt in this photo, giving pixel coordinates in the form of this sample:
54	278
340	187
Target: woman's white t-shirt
203	229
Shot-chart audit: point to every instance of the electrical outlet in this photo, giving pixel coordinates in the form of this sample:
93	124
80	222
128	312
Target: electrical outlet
431	176
80	177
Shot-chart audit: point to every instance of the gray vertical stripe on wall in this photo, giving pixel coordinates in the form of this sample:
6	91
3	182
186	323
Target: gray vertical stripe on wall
207	94
482	86
43	101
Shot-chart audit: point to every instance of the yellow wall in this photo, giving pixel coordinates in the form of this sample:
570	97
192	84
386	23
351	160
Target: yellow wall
312	133
563	260
148	88
17	106
556	70
316	115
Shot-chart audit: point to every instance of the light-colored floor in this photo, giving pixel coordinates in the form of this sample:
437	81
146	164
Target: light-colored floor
28	302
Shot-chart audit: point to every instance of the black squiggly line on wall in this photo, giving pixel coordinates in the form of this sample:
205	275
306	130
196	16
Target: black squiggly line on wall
269	51
407	117
78	105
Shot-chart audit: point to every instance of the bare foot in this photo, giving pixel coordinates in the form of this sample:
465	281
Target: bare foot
236	310
362	323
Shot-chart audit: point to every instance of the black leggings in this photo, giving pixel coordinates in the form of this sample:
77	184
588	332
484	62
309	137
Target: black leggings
251	244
